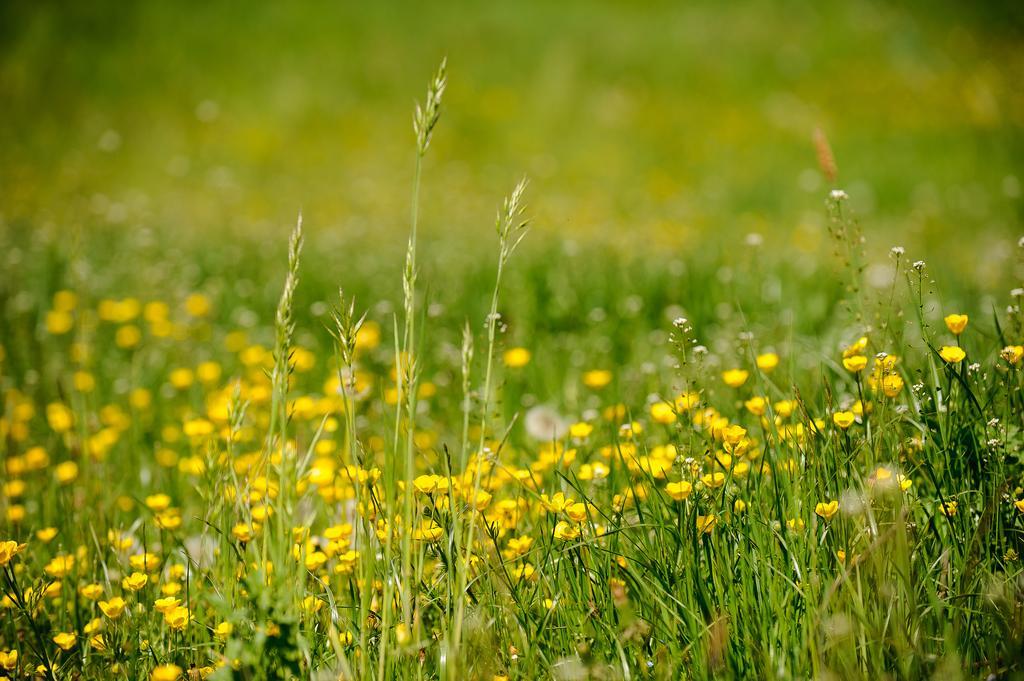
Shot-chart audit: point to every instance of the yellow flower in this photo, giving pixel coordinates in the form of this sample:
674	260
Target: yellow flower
127	336
177	618
65	641
8	550
197	428
8	660
952	354
1020	505
706	523
516	357
59	322
90	592
60	566
113	608
892	385
843	419
566	531
662	412
580	431
597	379
855	363
555	503
767	362
734	378
956	323
135	581
524	572
243	532
756	405
164	605
576	511
856	348
1013	353
826	509
166	672
948	508
224	630
66	472
428	531
687	401
59	417
678	490
198	305
426	484
315	560
713	480
158	502
46	534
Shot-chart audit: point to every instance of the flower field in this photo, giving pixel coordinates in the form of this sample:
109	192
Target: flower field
468	445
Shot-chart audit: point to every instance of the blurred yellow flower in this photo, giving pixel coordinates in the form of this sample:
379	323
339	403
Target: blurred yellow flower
516	357
767	362
166	672
734	378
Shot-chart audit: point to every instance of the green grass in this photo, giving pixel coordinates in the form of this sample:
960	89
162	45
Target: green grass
172	364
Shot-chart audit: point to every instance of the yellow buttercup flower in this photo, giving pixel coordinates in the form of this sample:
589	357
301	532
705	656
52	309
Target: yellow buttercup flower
843	419
826	509
734	378
679	490
767	362
165	605
135	581
855	363
66	640
662	412
8	660
428	531
892	385
952	354
706	523
166	672
177	618
566	531
1013	353
113	608
856	348
597	378
713	480
516	358
8	550
956	323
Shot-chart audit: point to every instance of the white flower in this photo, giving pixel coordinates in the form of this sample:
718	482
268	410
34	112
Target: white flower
545	424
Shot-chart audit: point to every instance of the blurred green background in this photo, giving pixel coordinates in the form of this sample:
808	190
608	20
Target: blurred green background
153	149
650	128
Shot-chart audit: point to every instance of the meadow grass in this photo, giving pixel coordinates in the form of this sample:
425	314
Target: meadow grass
558	464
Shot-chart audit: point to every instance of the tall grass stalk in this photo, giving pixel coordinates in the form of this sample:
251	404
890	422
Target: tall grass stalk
511	229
